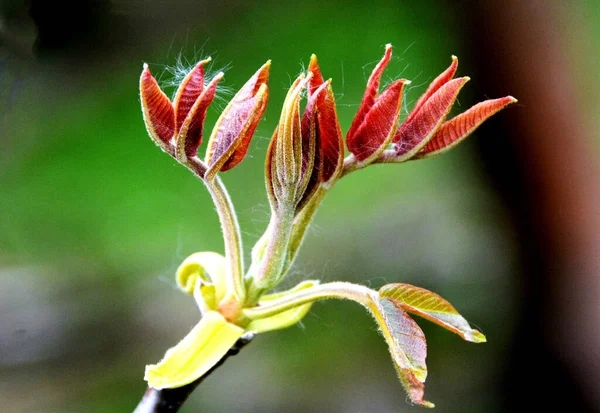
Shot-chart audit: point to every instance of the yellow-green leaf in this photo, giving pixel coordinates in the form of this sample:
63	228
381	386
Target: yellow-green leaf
432	307
407	346
285	318
200	350
210	267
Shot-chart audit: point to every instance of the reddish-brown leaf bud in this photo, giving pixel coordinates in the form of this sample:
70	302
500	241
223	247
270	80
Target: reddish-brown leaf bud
313	161
190	133
329	134
188	92
377	119
233	131
454	131
379	126
157	109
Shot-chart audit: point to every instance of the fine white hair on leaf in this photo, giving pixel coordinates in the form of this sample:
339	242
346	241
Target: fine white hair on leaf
172	75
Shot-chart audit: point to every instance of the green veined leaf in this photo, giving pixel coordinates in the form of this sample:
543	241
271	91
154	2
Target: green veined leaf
432	307
407	346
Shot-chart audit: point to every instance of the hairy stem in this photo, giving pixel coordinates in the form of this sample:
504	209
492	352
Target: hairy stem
232	237
171	400
229	225
271	268
339	290
301	223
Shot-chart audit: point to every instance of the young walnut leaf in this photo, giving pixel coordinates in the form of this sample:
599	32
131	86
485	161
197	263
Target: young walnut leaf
190	88
329	134
233	131
376	122
190	132
431	306
407	346
416	132
157	110
457	129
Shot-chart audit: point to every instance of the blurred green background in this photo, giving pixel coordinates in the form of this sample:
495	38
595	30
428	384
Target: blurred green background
94	218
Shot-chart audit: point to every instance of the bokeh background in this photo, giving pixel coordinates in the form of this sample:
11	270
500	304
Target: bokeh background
94	219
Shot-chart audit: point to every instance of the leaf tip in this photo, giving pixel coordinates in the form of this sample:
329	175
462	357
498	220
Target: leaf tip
475	336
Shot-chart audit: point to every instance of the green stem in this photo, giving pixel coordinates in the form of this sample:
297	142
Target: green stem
271	268
301	223
232	237
339	290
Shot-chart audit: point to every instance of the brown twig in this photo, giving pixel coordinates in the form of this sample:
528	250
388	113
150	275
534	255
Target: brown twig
170	400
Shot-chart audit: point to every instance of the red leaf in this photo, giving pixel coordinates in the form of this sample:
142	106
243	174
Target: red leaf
370	93
190	88
312	161
157	109
415	134
233	131
190	135
379	124
439	81
454	131
329	133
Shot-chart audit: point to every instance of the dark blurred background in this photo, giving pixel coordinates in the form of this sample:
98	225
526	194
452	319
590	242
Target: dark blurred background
94	219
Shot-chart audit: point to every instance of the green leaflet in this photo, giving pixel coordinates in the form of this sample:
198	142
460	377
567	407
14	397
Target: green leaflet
193	356
432	307
407	346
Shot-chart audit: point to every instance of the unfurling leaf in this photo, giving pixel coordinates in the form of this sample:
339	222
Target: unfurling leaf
190	133
209	267
432	307
233	131
457	129
416	132
200	350
407	346
377	119
157	109
286	318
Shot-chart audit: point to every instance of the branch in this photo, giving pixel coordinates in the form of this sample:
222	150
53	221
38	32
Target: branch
170	400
